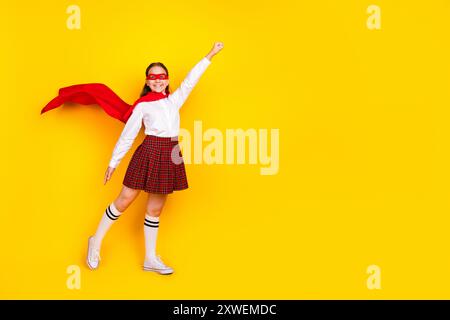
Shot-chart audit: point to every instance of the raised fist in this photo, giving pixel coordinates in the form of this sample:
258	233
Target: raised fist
217	47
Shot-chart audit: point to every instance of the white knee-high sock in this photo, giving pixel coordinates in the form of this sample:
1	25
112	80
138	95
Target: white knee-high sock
151	226
110	215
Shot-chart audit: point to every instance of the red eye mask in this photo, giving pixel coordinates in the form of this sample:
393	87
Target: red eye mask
160	76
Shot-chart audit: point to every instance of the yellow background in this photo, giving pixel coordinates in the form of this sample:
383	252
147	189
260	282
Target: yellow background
364	139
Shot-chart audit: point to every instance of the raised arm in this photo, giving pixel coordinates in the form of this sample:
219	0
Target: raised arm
126	139
180	95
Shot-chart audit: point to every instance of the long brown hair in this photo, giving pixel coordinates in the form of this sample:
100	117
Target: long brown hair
146	88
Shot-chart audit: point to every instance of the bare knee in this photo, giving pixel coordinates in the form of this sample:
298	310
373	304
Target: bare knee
154	212
155	204
125	198
122	204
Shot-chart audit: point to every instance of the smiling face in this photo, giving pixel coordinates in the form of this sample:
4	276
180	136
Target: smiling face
157	85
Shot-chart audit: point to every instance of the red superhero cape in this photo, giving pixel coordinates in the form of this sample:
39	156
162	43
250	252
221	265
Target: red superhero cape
98	93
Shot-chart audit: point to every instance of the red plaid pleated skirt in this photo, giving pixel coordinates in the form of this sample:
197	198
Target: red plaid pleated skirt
157	166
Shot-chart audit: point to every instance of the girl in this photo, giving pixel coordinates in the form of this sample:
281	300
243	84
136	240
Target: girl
157	165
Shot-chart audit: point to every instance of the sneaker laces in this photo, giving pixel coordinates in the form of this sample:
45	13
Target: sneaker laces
159	261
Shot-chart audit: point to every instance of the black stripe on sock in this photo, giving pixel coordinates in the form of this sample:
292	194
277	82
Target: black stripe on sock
111	215
110	211
150	225
151	222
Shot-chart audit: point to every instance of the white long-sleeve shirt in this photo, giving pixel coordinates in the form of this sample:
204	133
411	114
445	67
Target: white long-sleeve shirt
161	117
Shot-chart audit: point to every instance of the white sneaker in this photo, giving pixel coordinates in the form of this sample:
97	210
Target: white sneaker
93	255
155	264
